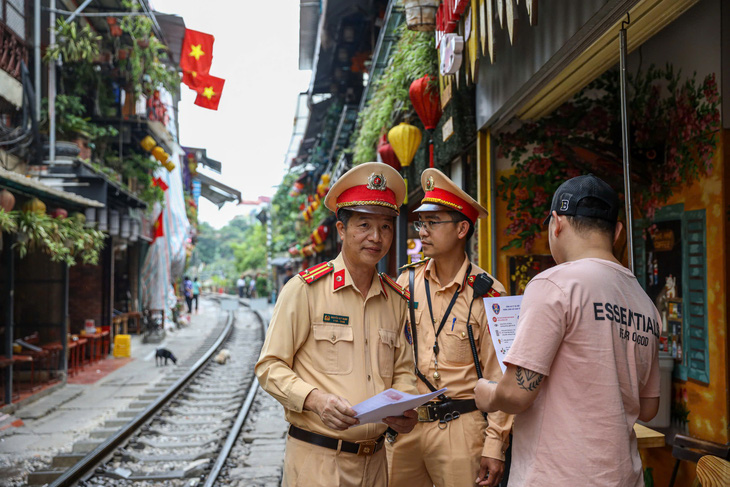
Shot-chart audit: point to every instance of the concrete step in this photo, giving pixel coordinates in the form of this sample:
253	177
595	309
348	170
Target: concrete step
86	446
129	413
116	423
103	433
65	460
43	477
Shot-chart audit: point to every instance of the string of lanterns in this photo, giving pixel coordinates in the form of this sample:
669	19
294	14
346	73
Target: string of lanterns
315	201
150	145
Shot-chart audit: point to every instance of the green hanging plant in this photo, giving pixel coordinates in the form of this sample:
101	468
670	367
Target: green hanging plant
73	45
414	57
8	222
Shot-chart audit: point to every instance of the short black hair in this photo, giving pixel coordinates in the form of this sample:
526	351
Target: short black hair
585	224
343	215
460	217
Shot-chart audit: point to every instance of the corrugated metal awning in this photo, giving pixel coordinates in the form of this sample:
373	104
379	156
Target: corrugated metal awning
215	191
16	182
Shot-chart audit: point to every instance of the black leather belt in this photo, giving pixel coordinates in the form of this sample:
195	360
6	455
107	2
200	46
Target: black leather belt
445	411
363	448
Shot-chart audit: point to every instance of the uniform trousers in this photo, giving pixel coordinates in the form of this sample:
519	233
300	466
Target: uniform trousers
429	456
307	465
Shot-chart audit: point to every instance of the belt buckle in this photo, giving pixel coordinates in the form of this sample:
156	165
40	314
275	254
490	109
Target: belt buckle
424	414
366	448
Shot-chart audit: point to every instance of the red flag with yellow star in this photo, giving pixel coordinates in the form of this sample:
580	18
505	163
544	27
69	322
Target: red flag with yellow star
196	55
157	230
209	91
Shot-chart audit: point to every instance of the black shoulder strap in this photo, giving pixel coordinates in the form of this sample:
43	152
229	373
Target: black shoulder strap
414	333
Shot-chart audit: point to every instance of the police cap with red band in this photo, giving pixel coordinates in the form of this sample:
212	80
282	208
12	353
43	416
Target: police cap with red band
441	194
372	187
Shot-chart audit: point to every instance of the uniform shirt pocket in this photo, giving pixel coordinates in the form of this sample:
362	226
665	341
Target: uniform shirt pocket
334	349
455	343
387	344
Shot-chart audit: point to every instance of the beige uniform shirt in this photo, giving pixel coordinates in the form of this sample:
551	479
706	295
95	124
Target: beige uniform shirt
325	335
455	362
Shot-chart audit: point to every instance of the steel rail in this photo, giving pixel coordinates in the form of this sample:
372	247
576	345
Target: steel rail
240	420
96	456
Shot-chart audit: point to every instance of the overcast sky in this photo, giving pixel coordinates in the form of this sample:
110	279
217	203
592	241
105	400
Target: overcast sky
256	51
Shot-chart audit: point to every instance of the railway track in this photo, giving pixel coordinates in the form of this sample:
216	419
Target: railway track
184	436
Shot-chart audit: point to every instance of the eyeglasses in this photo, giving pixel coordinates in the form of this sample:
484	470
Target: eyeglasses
429	224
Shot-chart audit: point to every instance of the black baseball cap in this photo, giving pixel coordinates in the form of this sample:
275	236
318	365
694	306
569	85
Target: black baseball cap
571	192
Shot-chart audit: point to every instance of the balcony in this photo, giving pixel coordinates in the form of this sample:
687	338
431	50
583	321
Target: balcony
13	52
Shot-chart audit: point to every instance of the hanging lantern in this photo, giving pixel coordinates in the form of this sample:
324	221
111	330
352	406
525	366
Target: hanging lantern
148	143
34	205
325	179
426	101
7	200
387	154
405	140
169	165
160	154
319	248
59	213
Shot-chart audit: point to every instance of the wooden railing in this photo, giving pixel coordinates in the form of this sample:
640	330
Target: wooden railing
13	51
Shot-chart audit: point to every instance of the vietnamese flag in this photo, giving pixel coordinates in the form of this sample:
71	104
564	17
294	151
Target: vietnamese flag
209	91
196	55
159	182
158	230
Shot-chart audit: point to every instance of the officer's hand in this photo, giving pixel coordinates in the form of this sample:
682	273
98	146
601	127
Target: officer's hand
403	424
484	395
334	411
490	472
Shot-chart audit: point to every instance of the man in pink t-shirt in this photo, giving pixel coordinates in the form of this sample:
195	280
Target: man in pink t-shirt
583	367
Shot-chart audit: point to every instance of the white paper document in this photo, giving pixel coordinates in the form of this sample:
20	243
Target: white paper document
503	313
390	403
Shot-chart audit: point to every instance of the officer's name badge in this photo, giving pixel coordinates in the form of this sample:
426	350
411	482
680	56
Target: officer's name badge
340	320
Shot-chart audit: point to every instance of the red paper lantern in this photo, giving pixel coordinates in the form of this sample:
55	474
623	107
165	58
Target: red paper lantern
426	101
7	200
387	154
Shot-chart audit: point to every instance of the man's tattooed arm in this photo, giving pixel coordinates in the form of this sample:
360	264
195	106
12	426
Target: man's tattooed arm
527	379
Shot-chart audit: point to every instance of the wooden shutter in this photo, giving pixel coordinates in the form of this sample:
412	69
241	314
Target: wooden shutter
696	349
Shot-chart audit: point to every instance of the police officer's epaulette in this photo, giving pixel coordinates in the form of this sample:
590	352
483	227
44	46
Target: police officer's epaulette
315	272
414	264
492	293
403	293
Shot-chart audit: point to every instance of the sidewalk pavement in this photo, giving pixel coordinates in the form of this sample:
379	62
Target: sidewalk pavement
36	432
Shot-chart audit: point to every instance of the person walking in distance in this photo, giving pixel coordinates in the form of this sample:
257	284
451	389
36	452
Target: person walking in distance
584	364
196	292
453	445
241	286
335	340
188	293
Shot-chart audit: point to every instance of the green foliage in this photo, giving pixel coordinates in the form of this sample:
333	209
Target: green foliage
8	223
73	45
143	67
214	250
284	215
413	58
250	253
673	137
63	239
72	122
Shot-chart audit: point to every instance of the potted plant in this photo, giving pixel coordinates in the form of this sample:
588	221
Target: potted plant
73	44
421	14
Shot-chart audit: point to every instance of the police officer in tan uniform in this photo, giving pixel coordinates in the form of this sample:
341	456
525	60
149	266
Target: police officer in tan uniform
452	445
336	338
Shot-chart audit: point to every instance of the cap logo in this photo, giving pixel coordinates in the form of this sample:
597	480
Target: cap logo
378	182
564	205
430	184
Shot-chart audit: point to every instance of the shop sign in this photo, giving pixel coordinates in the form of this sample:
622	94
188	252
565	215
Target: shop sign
663	240
447	129
452	53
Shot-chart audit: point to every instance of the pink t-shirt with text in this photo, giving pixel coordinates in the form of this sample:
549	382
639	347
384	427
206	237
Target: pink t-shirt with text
591	329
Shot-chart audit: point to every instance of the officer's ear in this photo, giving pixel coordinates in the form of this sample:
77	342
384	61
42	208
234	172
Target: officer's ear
463	226
340	229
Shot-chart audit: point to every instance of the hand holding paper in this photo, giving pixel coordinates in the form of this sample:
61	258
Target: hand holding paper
390	403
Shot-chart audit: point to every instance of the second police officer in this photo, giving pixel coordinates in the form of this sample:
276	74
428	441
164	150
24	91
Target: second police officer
452	445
